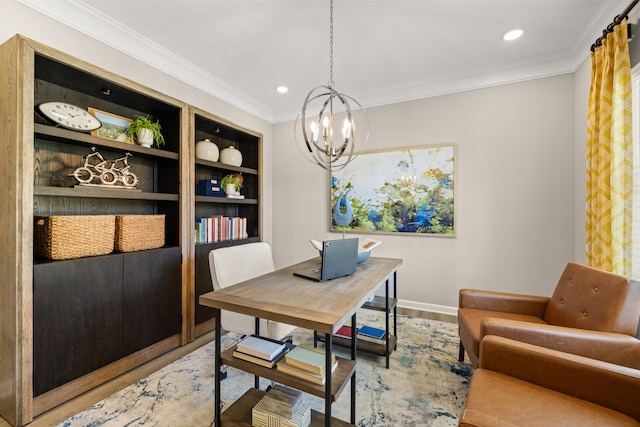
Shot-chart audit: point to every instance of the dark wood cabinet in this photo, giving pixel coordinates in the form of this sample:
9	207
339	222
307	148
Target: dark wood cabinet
77	319
90	312
152	288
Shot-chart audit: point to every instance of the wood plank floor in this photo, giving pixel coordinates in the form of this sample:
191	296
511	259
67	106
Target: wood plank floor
68	409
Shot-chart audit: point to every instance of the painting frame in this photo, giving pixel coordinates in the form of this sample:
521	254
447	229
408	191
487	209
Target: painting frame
113	127
397	191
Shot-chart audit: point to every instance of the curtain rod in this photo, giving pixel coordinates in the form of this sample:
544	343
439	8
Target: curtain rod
616	21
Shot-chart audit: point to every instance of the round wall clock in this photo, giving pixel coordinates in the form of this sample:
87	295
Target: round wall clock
69	116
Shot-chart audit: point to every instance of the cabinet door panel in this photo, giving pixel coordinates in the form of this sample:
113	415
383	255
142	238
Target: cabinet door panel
152	289
77	318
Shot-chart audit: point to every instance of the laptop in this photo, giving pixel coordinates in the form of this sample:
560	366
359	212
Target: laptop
339	258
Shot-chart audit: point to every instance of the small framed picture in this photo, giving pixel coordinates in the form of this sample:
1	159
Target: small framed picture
113	126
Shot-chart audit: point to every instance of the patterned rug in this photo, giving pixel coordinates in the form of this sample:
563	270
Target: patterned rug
424	386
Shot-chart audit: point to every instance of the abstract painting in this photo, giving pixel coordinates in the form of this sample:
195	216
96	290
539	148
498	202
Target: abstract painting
407	190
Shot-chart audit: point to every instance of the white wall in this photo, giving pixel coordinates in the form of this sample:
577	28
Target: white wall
16	18
514	191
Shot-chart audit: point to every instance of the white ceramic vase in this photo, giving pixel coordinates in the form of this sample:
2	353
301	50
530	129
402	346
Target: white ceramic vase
145	137
207	150
231	156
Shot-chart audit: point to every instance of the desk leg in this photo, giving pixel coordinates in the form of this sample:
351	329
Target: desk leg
386	317
218	375
354	354
327	384
256	379
395	307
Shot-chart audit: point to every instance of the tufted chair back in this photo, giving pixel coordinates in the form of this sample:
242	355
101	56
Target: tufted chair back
588	298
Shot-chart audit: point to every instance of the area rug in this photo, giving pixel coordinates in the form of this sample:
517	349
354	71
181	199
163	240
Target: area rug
425	384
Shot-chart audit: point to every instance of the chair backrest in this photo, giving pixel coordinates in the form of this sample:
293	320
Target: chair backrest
589	298
236	264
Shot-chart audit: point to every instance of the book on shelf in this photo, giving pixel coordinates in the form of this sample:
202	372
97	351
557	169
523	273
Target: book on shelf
258	360
235	196
261	347
308	358
303	374
344	332
218	228
283	401
371	332
260	417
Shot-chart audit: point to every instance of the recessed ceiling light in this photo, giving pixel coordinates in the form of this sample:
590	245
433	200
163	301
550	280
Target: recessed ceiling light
282	89
513	34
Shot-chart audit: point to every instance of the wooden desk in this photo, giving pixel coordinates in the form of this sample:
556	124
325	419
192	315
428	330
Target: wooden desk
321	307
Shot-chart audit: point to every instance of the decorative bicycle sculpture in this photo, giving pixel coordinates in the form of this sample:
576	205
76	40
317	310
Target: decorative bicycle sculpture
98	171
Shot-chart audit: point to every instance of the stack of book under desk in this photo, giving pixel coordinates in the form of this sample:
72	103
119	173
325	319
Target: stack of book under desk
265	365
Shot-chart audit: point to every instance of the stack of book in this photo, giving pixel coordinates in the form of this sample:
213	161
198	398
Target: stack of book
262	351
371	334
262	417
307	363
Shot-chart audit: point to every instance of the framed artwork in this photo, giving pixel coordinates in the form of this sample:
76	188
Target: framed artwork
113	126
407	190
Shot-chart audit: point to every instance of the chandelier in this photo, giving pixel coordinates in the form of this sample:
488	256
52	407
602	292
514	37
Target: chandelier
325	129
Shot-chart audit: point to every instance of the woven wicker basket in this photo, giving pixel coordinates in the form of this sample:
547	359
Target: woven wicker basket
59	237
139	232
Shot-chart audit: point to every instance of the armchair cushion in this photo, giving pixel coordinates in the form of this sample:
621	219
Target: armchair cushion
526	385
470	329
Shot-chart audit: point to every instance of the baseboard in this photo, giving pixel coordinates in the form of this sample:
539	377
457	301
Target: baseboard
428	311
434	308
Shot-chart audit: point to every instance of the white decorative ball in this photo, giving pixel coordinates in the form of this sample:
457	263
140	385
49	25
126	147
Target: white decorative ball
231	156
207	150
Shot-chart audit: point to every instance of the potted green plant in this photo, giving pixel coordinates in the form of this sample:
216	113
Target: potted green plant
146	131
232	183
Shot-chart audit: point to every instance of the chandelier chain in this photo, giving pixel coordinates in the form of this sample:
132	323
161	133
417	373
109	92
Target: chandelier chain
331	82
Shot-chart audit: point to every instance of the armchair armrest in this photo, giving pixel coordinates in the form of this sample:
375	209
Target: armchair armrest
619	349
504	302
599	382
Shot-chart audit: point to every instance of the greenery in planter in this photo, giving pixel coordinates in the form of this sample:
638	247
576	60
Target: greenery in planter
236	179
143	122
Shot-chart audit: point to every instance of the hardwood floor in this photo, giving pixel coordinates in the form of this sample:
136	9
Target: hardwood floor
66	410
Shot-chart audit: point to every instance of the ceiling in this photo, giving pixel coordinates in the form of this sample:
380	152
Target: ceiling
384	51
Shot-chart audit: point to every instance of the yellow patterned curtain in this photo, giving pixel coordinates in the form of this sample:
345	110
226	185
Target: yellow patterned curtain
609	156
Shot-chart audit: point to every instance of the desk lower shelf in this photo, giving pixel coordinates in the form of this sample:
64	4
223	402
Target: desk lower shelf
239	413
366	346
339	379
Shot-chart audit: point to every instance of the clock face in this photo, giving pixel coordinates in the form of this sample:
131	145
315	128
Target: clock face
69	116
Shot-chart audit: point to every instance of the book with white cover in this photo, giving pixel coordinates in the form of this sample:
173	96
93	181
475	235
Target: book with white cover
262	347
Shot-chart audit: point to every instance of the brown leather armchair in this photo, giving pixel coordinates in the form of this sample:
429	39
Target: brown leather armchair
589	308
519	384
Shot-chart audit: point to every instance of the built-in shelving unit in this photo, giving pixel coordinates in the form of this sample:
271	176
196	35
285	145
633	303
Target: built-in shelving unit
100	315
224	134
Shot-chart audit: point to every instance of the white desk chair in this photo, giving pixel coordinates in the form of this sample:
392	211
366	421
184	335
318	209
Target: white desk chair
236	264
